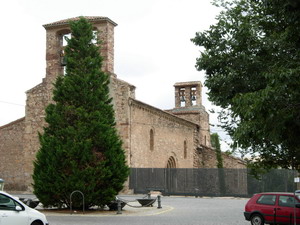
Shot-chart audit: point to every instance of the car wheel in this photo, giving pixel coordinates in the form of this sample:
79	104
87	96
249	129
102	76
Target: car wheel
36	223
257	219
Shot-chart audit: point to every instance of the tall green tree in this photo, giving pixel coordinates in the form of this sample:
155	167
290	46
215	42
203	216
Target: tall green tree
252	62
80	147
215	143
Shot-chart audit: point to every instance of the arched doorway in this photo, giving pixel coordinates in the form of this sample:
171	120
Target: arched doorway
171	174
171	162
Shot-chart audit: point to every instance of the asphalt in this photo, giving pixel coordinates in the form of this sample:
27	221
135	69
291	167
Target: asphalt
176	210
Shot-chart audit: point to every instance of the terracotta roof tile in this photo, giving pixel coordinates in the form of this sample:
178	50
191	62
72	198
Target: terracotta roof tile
89	18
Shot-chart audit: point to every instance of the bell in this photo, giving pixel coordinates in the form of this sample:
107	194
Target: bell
62	58
193	98
63	61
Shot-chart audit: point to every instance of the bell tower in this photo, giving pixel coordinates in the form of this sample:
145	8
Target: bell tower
55	33
188	105
188	94
40	96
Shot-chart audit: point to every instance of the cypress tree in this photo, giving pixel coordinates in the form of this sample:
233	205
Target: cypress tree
80	148
215	142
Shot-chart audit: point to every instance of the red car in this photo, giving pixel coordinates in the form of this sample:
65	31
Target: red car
273	208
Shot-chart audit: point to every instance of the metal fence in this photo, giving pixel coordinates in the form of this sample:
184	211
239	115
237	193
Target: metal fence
279	180
208	182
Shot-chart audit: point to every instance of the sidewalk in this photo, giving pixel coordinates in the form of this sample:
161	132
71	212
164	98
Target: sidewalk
132	208
127	211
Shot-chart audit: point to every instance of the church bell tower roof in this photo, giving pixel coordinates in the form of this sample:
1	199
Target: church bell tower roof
93	19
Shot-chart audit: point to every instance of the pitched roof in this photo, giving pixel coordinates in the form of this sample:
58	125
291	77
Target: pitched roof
89	18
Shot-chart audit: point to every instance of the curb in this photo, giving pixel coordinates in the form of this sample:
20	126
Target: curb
127	211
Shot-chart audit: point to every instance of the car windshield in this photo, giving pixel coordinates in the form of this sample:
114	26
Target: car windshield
7	203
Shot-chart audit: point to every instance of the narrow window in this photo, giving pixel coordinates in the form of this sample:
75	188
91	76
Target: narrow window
193	95
151	140
182	97
64	43
184	150
95	39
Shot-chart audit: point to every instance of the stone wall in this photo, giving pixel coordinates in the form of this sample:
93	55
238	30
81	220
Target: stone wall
199	116
12	155
207	159
171	134
121	91
37	100
233	162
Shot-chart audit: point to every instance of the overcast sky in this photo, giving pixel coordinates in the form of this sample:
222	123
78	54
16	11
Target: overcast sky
153	50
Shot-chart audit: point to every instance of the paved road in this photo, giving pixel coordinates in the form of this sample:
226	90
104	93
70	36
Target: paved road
175	211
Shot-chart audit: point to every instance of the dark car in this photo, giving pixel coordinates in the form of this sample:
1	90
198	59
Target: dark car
273	208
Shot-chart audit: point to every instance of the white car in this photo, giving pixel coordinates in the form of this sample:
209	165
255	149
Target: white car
15	212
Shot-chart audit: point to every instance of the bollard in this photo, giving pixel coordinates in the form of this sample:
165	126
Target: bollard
159	202
119	206
1	184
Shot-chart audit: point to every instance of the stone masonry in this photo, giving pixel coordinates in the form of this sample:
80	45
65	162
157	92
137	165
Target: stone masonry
152	138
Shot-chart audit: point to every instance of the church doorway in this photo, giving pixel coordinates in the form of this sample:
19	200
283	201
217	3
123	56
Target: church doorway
171	175
171	162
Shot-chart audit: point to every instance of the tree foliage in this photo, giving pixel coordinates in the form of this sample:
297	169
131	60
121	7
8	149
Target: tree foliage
80	148
215	143
252	62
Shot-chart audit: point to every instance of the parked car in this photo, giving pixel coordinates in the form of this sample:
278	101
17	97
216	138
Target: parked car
273	208
15	212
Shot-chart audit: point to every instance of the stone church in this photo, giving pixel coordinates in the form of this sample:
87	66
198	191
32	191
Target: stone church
152	138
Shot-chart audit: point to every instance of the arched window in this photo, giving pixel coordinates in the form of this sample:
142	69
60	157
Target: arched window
194	96
182	97
95	39
171	163
64	41
151	140
184	150
63	34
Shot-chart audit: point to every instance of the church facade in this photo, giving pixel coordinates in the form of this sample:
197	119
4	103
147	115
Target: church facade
152	138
